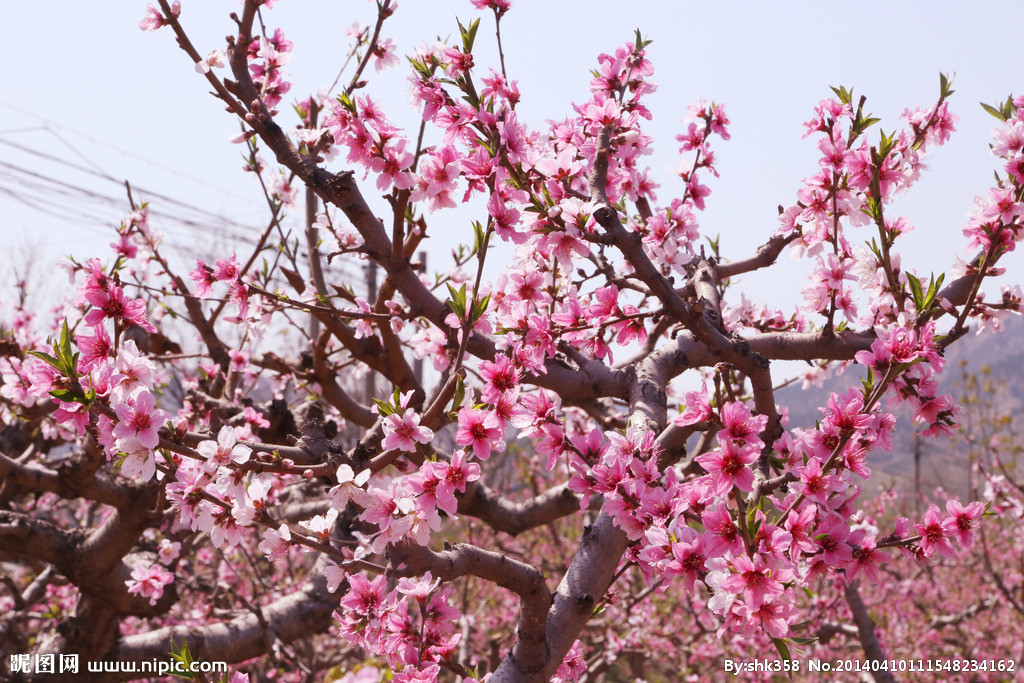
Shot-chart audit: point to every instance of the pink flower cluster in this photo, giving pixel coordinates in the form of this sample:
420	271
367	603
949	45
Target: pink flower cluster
842	192
995	224
751	570
267	57
154	19
382	622
917	385
937	532
225	270
410	507
373	142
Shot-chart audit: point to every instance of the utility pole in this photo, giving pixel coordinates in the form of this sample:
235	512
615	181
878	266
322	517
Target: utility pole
371	298
917	474
316	273
417	363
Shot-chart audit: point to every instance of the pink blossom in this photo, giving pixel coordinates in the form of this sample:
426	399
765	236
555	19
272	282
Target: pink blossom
113	303
139	461
831	536
501	378
275	542
350	487
934	534
1008	140
728	467
754	580
963	521
505	220
772	617
95	348
460	472
204	278
722	535
154	19
132	372
816	485
499	6
149	581
384	55
168	551
404	432
437	177
214	60
335	574
480	430
139	417
391	165
739	425
697	409
689	555
321	525
226	270
364	597
224	451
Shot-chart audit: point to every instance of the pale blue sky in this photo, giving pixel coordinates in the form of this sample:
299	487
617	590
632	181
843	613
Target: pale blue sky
84	85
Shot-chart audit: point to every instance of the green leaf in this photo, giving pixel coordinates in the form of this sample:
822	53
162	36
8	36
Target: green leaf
995	112
50	360
184	656
915	289
479	307
457	302
944	83
468	34
886	145
873	208
934	285
640	43
54	611
868	382
862	124
64	351
753	523
478	236
460	393
782	647
346	101
384	407
845	96
802	641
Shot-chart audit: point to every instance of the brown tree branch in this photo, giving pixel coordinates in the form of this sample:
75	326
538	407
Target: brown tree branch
765	257
526	581
866	632
513	517
302	613
68	481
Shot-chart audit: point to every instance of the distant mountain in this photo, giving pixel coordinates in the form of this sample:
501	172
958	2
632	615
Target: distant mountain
996	361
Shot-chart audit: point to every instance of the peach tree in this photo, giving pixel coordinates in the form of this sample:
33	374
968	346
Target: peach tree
578	467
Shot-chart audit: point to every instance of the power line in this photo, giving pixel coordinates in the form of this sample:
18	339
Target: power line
104	176
83	206
52	126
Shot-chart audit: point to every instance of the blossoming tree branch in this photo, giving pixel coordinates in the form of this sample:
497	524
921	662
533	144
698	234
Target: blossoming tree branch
547	501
